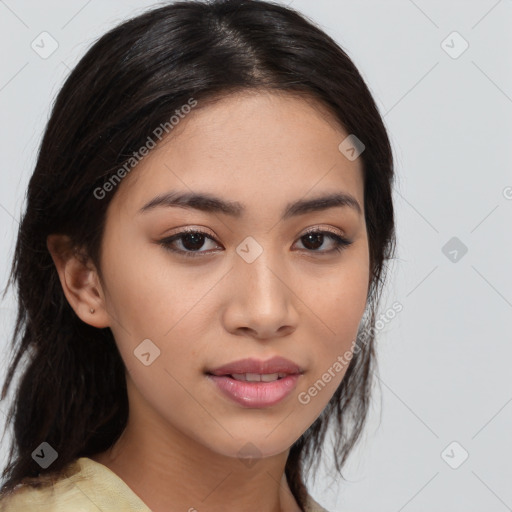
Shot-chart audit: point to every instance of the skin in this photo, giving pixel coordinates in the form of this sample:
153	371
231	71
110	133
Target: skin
179	451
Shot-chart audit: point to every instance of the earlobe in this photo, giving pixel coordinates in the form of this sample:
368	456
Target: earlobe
79	281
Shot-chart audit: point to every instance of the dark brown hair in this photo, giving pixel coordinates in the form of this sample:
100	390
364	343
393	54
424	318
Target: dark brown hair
71	393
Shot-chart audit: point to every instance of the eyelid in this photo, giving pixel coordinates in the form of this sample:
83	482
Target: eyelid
334	231
206	231
191	229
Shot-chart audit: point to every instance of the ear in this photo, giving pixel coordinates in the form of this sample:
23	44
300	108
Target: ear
79	280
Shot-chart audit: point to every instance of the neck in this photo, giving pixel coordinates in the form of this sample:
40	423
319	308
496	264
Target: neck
172	472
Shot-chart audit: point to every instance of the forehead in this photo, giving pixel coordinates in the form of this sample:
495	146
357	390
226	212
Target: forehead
252	147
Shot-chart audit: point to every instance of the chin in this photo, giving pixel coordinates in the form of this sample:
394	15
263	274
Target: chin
251	447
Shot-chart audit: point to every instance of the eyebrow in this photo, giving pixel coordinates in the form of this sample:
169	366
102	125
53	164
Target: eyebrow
213	204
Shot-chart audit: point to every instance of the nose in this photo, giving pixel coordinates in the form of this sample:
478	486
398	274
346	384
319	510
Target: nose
262	303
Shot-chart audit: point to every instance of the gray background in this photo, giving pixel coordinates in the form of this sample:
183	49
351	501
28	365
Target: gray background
444	360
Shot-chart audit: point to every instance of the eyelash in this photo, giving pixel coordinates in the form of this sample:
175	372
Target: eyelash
341	243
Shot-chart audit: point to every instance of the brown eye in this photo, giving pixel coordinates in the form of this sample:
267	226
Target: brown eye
192	240
313	240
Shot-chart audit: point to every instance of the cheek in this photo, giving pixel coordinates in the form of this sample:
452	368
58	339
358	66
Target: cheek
339	300
164	303
148	294
338	303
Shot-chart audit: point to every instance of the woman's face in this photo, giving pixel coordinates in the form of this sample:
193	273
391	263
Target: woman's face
255	285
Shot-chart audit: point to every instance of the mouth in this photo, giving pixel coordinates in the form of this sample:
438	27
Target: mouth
254	370
255	377
254	383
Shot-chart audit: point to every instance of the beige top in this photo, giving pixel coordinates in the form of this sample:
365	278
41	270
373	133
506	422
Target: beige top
92	487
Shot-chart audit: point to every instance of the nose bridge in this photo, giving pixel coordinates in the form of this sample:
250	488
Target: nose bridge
260	300
258	265
260	271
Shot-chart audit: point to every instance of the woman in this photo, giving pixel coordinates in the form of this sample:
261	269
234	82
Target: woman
199	267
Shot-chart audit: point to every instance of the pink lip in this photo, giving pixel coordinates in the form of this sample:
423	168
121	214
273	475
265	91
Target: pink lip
256	394
250	365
